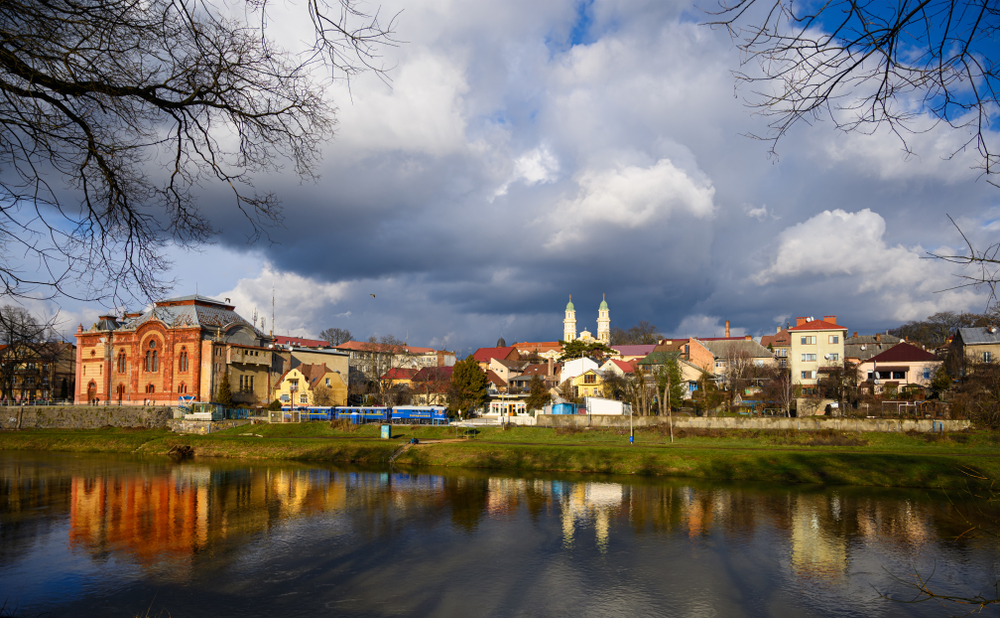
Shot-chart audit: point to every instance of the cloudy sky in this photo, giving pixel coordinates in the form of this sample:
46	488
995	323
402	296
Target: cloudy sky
525	151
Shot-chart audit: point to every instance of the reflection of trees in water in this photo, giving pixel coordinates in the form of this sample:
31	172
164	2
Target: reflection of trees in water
165	517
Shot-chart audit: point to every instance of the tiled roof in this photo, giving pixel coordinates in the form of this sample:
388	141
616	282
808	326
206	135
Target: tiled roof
659	357
484	355
434	374
191	315
495	379
536	370
626	367
904	353
399	373
864	347
537	346
818	325
778	340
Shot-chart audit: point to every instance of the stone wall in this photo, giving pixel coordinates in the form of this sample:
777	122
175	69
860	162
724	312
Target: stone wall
82	417
203	427
800	424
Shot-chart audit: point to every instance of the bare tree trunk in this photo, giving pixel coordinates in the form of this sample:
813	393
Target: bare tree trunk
670	411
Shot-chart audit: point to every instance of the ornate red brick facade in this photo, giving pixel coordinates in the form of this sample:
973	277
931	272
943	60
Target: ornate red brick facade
180	347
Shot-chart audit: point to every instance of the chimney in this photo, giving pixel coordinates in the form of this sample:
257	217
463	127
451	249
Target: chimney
777	329
727	328
832	319
550	366
801	321
878	337
855	333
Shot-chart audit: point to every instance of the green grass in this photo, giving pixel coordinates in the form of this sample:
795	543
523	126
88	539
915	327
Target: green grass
826	457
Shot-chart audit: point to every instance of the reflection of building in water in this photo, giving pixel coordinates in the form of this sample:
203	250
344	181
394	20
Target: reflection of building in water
164	520
818	550
586	501
898	521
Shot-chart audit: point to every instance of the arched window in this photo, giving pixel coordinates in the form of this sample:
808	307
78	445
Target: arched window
122	362
182	388
182	360
152	362
150	388
120	391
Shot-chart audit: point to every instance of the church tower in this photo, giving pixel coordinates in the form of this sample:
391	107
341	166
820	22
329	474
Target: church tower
604	322
569	324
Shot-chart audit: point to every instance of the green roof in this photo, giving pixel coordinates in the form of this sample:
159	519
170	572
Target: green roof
659	358
569	305
604	305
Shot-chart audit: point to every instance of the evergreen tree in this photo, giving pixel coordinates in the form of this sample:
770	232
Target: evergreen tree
578	349
468	387
670	373
538	395
225	394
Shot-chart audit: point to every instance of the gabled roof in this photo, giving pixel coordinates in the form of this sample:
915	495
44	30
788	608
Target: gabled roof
864	347
979	336
191	311
528	347
434	374
781	339
726	348
624	366
484	355
399	373
495	379
659	357
818	325
536	370
904	353
511	364
634	350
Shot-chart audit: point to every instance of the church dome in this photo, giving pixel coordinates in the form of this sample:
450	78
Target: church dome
501	343
604	305
569	305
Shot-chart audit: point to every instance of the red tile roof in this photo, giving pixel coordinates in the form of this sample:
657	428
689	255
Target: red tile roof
484	355
818	325
434	374
399	373
626	367
781	339
495	379
904	353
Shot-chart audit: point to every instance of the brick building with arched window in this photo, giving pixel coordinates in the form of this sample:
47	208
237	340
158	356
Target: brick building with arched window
182	346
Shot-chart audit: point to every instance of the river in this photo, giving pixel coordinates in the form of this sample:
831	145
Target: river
87	535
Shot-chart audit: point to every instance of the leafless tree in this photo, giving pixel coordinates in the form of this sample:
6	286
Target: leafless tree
373	361
114	114
740	372
336	336
27	342
865	65
777	387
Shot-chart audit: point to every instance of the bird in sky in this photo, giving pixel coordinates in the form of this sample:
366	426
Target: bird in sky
373	296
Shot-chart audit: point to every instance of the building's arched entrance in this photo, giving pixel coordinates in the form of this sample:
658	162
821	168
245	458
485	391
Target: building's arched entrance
91	391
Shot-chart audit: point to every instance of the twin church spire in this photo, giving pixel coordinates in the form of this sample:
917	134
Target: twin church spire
603	324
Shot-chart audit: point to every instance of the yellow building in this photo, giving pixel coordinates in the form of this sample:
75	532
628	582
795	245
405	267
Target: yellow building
589	384
815	344
302	385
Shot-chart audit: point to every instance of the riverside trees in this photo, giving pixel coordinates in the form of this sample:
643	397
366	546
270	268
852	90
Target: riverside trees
468	387
115	112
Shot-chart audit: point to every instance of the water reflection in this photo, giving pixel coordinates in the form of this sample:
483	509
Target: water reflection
169	524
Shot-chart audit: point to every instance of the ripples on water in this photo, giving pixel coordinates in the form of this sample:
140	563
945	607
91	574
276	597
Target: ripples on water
99	536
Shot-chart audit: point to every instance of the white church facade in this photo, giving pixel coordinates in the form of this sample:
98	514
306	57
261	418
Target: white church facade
603	324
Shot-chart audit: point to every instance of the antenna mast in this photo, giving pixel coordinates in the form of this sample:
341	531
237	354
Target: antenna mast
272	308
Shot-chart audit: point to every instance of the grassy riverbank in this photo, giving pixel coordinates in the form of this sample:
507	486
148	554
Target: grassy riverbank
901	460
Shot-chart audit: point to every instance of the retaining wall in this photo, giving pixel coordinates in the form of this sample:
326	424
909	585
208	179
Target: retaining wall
801	424
82	417
203	427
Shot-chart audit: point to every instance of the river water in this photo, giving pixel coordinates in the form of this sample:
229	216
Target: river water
84	535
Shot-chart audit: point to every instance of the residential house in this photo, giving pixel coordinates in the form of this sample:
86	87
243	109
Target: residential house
727	352
547	372
409	356
401	376
900	366
302	385
181	346
815	344
299	342
975	344
620	368
780	344
506	369
483	356
589	384
577	366
494	383
37	371
430	385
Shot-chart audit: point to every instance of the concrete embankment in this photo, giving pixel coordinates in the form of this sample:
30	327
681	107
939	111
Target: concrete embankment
762	423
